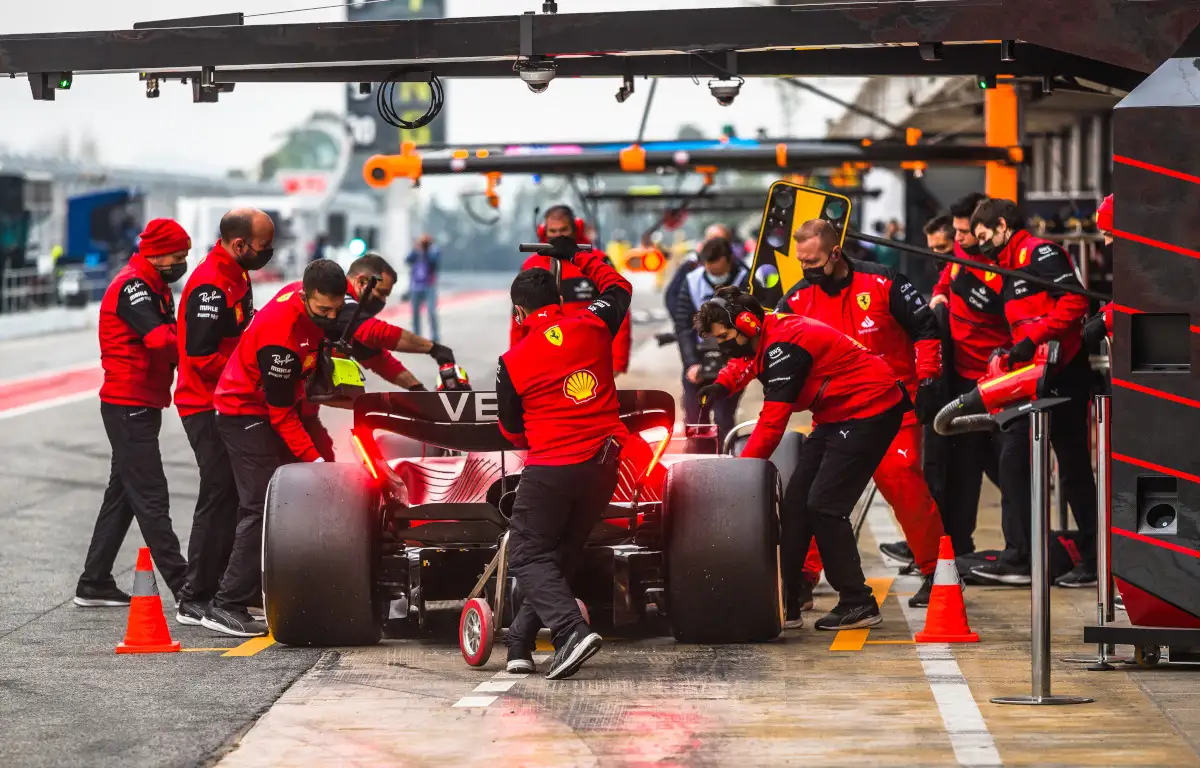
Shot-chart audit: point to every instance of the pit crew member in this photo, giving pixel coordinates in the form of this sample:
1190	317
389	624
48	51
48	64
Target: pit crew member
1038	314
975	303
880	308
690	262
557	396
1101	325
577	290
372	341
257	403
214	310
857	403
138	354
720	269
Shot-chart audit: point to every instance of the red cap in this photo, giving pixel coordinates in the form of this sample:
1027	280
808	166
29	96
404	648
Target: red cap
1104	215
163	236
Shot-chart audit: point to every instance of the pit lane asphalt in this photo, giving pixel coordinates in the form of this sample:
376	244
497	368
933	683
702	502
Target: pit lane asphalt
66	699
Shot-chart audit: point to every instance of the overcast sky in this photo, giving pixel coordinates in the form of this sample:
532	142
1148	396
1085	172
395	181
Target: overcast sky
173	133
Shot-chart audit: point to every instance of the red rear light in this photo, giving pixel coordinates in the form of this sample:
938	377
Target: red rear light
366	457
658	452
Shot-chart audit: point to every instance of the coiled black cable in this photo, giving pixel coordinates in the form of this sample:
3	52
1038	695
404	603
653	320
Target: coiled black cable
386	103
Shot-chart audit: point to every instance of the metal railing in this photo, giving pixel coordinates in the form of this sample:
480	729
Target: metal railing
29	289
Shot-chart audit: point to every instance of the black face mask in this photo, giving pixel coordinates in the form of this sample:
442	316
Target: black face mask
372	306
989	250
734	348
253	259
173	273
973	250
324	323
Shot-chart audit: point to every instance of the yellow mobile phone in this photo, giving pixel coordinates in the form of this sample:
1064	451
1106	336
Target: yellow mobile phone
776	268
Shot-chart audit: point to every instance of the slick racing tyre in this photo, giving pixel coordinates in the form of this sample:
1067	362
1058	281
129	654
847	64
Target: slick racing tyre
722	551
321	530
401	447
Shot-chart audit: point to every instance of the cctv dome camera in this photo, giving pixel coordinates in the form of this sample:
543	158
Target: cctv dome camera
536	73
725	91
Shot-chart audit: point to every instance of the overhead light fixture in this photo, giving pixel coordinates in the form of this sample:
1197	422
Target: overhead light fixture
931	51
1008	50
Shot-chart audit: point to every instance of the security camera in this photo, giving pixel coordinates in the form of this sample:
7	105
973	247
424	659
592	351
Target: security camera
536	73
626	90
725	91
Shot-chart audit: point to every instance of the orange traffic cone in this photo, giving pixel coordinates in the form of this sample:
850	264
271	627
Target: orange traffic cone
147	631
946	619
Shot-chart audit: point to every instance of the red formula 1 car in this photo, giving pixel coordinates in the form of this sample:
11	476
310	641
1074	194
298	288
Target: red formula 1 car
420	524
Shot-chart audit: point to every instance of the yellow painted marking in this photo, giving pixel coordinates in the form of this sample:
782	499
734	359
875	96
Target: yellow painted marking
198	650
850	640
544	645
855	639
251	646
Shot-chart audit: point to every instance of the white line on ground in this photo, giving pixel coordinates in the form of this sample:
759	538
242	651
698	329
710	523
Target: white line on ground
970	739
475	702
495	686
21	410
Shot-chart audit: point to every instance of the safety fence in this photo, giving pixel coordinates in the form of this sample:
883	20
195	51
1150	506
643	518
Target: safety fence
30	288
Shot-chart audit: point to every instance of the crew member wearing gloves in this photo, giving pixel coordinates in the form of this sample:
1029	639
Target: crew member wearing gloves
557	397
214	310
138	354
857	403
1038	314
576	289
879	307
257	402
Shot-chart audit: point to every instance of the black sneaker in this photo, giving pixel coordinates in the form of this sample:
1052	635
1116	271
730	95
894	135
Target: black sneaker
921	598
520	662
898	552
581	645
101	597
1003	572
1119	602
233	621
1082	575
190	612
850	617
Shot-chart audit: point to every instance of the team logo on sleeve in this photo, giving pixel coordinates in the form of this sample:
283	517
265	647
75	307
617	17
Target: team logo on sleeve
989	277
864	301
238	314
954	270
580	386
1023	257
554	335
310	360
285	297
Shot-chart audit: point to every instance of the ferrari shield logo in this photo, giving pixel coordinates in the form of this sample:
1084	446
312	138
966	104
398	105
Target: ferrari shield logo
238	315
954	271
864	301
554	335
285	297
310	360
1023	257
989	277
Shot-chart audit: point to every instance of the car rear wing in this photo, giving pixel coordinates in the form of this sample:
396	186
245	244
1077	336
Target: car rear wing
468	421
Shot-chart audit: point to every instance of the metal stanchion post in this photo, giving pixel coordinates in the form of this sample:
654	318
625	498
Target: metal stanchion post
1039	437
1104	582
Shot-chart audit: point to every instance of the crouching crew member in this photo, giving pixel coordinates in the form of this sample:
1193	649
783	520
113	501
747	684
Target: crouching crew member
138	354
857	404
1038	314
257	401
577	290
372	340
214	310
557	397
879	307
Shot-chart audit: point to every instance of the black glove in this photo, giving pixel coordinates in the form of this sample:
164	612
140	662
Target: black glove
1095	331
442	354
929	400
1021	352
418	387
711	393
563	248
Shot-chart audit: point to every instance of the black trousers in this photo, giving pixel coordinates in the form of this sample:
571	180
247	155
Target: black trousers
1070	437
835	465
137	488
321	438
215	519
724	410
970	457
556	509
256	450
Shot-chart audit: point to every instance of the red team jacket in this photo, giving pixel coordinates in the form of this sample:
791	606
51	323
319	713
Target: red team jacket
975	298
881	309
555	389
214	310
137	337
265	376
1038	313
805	365
578	292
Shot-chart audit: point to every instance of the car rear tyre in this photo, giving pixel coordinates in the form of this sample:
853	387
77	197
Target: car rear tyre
320	549
722	551
785	458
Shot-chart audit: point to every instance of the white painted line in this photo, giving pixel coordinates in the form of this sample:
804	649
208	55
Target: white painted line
494	686
970	739
475	702
510	675
22	410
